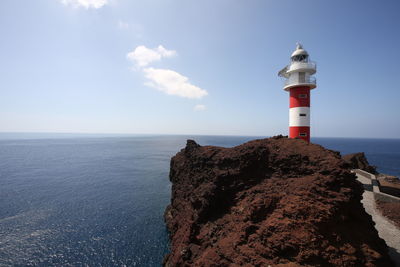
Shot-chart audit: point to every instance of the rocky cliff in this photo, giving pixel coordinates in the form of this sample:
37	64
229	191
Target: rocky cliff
387	183
276	201
359	161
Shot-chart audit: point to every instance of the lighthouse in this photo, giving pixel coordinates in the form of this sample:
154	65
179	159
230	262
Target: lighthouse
299	82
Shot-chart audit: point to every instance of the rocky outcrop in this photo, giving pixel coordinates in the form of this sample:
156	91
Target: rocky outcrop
359	161
276	201
387	183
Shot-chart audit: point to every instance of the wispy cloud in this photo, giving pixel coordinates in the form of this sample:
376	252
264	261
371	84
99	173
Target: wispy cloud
199	108
85	3
164	80
143	56
133	28
123	25
172	83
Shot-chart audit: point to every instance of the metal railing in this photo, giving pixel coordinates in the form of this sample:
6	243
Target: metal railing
309	80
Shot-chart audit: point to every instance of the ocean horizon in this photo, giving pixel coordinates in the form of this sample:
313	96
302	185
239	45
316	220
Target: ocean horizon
99	199
44	135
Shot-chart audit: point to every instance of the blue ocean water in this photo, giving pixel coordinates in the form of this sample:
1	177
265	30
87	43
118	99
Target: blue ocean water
99	200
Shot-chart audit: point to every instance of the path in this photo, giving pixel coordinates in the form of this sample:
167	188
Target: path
386	229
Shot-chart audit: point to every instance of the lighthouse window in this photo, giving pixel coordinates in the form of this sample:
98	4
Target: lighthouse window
303	115
300	58
303	134
302	96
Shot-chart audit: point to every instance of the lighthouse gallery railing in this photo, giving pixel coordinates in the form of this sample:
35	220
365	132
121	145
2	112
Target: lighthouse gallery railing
308	80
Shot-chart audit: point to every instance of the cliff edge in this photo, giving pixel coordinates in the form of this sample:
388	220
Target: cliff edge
359	161
276	201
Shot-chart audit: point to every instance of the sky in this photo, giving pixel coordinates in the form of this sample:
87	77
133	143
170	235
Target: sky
196	67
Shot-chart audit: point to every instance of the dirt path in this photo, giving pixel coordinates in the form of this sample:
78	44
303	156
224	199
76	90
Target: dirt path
386	229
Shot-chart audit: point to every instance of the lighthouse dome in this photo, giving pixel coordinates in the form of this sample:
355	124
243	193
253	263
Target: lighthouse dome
299	54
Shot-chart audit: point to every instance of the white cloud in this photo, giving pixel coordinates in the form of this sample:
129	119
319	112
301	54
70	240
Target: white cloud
199	108
172	83
164	80
134	28
143	56
85	3
123	25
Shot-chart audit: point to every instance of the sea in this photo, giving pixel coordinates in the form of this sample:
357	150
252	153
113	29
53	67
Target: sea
98	200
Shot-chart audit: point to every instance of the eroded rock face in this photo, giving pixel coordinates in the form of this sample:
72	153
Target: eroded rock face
359	161
268	202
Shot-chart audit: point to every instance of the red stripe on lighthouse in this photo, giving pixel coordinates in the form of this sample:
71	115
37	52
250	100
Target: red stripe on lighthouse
300	132
299	96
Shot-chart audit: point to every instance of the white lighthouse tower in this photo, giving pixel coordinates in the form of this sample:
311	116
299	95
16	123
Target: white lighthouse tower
299	81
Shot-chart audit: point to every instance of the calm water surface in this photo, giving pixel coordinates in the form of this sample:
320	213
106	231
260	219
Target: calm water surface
99	201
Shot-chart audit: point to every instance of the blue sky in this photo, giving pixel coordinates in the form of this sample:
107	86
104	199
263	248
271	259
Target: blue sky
200	67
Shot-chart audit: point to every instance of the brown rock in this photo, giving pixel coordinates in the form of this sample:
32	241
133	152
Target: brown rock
277	201
359	161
